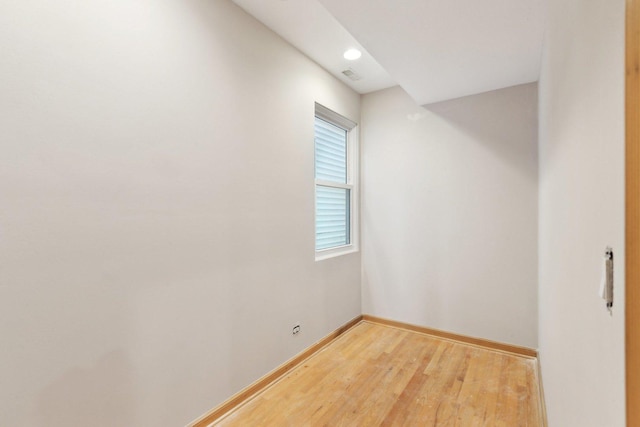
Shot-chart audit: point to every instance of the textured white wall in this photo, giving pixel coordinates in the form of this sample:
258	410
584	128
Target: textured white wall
156	214
450	212
581	212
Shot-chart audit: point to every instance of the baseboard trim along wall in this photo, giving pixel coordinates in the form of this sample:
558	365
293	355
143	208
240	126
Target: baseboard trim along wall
252	390
247	393
481	342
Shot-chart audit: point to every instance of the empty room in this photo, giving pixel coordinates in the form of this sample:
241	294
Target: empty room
319	213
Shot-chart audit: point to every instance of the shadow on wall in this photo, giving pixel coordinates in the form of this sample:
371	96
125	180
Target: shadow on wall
97	396
496	119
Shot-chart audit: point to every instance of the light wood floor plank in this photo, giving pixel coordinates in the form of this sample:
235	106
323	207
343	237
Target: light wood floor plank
376	375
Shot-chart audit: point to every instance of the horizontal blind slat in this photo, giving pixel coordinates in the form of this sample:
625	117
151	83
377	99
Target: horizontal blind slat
330	152
332	217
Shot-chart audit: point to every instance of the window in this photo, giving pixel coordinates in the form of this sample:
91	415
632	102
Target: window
335	172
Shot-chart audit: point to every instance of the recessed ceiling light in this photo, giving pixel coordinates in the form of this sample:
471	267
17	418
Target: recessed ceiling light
352	54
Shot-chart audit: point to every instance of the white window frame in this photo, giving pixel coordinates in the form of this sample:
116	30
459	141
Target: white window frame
353	156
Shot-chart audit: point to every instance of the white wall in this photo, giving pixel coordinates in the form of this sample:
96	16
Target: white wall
449	217
156	214
581	212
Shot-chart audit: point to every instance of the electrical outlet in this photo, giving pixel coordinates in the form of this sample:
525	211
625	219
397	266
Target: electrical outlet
296	329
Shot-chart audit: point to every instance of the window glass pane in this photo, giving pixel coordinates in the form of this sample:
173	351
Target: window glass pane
331	152
332	217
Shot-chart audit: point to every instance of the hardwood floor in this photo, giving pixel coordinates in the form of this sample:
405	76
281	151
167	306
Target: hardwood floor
377	375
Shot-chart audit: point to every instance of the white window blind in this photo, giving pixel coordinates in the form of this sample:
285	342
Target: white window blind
333	185
331	152
332	217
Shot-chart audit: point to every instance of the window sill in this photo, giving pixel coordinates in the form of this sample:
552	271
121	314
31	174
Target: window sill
335	252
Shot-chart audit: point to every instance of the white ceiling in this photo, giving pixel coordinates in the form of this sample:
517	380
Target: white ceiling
307	25
434	49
